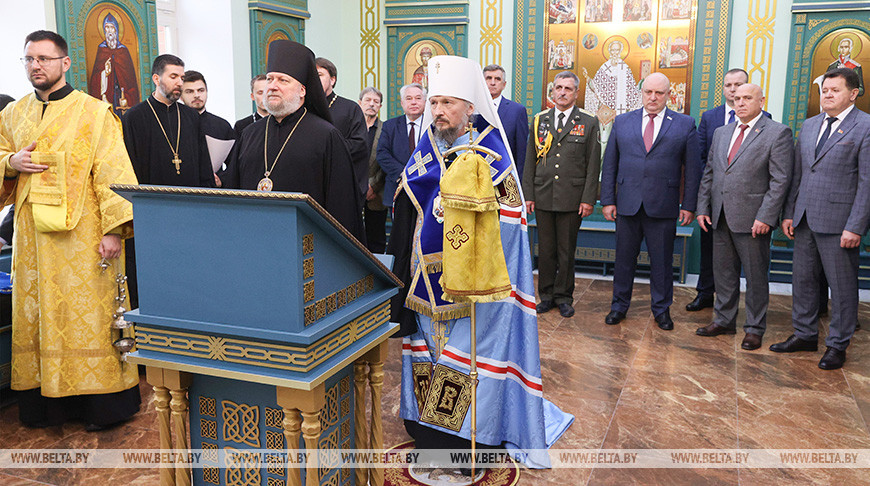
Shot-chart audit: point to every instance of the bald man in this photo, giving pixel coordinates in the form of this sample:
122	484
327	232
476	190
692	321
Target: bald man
745	183
640	190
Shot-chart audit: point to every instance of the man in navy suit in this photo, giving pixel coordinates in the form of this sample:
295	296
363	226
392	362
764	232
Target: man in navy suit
399	137
710	121
640	190
826	212
513	115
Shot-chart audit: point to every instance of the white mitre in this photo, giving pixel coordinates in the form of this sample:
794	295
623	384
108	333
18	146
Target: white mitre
460	77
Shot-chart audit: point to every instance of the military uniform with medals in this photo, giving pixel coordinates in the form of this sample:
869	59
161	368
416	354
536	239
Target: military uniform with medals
561	171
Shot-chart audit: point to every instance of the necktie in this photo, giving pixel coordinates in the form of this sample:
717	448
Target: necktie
561	122
737	142
412	140
648	132
731	116
825	135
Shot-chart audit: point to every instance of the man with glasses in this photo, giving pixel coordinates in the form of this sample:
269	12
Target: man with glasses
60	149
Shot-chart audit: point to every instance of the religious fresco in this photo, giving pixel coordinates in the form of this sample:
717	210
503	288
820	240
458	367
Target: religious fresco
417	61
847	47
112	55
622	41
562	12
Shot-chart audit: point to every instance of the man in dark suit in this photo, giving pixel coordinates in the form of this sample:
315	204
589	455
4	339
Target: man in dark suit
399	136
710	121
640	190
561	184
513	115
827	211
745	183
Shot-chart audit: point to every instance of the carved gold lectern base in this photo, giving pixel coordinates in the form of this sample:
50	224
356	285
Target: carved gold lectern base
302	411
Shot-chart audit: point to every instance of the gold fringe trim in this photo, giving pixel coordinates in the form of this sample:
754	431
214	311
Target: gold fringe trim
479	297
426	310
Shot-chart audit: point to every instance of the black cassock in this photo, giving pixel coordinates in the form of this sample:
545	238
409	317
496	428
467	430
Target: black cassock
348	117
315	161
150	152
243	123
216	127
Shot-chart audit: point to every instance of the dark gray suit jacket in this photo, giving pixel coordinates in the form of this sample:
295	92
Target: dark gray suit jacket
832	191
754	186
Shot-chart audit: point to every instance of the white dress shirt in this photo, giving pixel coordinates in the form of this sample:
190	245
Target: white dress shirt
657	122
736	133
834	125
417	128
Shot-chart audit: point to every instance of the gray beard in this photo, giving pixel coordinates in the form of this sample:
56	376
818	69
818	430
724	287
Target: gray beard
285	108
448	136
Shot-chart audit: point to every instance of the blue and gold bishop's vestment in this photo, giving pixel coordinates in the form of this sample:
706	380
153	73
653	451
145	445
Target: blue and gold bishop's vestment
436	387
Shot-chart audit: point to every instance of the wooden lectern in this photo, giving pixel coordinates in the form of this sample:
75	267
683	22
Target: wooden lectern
258	315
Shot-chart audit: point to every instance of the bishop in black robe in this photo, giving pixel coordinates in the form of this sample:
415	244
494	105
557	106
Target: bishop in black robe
315	162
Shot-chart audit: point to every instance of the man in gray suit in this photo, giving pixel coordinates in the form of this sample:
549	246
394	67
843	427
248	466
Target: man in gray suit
827	211
560	182
747	178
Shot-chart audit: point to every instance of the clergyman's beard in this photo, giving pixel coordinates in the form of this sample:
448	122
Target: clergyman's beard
46	84
283	108
448	135
172	96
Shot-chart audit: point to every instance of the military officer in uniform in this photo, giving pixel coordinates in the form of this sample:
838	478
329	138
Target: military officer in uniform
560	182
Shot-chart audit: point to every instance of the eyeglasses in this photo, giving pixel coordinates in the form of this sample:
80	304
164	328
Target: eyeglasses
41	60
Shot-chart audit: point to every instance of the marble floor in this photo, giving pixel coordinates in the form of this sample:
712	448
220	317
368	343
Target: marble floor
630	386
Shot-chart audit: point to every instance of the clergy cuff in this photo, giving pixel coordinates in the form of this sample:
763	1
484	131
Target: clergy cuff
8	171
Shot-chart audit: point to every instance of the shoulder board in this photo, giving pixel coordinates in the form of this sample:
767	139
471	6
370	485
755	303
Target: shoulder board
542	112
586	112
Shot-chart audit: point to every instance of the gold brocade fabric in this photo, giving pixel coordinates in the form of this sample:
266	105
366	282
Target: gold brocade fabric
62	304
474	268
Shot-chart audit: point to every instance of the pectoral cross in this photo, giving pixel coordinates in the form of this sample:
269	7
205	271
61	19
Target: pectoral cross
177	162
420	164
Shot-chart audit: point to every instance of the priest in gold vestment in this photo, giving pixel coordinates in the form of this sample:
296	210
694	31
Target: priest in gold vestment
60	149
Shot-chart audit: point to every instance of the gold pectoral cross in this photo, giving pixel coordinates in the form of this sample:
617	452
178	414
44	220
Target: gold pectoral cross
177	162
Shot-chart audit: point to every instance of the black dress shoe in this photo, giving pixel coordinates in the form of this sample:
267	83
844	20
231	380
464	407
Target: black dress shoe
702	301
566	310
794	343
545	306
664	320
833	359
615	317
714	330
751	341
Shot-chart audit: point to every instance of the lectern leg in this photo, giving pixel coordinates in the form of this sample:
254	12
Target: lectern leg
361	476
178	382
292	429
376	358
309	403
154	376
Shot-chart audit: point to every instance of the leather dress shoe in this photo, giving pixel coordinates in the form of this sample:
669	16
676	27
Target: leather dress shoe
664	321
751	341
701	301
833	359
714	330
615	317
545	306
794	343
566	310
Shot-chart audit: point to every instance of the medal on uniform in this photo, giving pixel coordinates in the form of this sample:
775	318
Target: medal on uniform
265	184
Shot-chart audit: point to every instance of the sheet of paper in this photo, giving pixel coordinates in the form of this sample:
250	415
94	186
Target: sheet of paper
218	150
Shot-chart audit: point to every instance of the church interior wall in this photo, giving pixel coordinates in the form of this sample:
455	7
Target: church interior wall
208	31
20	19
